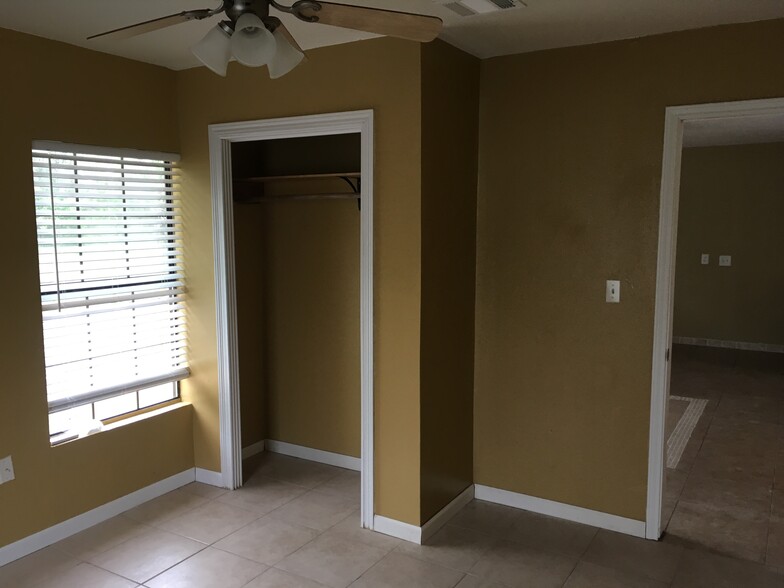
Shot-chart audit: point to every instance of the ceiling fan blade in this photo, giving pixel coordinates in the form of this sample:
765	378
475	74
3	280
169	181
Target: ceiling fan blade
416	27
154	24
290	37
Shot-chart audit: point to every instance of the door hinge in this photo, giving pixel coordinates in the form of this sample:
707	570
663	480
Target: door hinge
667	355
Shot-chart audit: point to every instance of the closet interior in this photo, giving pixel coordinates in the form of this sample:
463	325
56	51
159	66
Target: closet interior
297	254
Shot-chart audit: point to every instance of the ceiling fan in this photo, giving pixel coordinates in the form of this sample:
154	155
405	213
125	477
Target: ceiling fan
255	38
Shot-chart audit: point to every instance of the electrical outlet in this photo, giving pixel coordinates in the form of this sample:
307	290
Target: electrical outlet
725	260
613	293
705	259
6	470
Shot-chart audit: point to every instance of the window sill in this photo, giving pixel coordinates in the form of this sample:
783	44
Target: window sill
124	421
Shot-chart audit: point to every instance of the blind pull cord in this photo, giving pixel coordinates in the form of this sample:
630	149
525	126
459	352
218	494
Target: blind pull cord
54	237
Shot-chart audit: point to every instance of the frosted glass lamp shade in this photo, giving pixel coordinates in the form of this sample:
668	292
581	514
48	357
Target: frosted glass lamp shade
287	57
214	50
252	44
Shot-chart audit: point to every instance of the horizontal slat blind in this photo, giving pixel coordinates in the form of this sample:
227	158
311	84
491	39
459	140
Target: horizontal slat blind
110	266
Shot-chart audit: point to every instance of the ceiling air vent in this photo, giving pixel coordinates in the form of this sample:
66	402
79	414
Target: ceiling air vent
473	7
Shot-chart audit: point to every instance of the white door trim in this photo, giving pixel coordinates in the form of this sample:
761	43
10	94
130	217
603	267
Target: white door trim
674	119
221	136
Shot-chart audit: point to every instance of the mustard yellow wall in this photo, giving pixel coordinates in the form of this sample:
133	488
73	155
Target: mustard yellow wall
58	92
731	203
450	106
381	74
311	326
570	166
248	244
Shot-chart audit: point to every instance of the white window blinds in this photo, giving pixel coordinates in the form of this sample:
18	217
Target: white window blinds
110	265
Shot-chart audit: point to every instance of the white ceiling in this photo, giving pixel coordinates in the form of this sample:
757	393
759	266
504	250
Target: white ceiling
543	24
734	131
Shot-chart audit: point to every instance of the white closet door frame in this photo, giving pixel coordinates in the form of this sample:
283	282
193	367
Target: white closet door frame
221	137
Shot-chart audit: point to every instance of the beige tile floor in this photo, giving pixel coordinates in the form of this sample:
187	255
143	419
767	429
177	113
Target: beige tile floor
727	493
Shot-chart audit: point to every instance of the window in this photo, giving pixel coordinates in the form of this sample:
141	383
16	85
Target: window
111	282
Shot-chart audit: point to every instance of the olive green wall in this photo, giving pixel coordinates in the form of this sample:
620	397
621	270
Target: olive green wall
388	82
570	158
731	203
49	93
450	106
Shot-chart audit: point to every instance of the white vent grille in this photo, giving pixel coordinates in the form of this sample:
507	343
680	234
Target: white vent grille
473	7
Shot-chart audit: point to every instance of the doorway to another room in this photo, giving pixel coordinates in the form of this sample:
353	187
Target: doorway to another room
721	323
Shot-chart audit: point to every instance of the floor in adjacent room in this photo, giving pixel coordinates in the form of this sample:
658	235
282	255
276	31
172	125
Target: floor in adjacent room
295	524
726	493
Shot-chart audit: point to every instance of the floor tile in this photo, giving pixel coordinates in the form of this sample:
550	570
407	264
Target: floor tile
274	578
401	571
550	534
204	490
316	510
477	582
267	540
36	568
452	547
753	494
210	568
210	522
87	576
485	517
165	507
653	559
346	483
704	570
101	537
516	565
725	531
147	555
349	528
332	561
588	575
262	495
295	471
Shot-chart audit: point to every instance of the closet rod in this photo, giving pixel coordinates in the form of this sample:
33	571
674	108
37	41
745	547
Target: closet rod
343	196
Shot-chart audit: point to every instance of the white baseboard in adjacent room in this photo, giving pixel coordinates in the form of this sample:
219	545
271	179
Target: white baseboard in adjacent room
92	517
560	510
253	449
317	455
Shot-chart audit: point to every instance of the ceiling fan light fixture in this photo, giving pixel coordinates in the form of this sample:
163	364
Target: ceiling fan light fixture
214	50
252	44
286	58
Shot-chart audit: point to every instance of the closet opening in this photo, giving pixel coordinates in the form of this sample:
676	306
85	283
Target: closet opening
292	209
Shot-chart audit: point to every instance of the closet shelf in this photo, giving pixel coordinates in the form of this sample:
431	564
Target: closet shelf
286	197
264	179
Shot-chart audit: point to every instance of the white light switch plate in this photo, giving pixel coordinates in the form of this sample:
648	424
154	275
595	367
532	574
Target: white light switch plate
725	260
613	291
705	259
6	470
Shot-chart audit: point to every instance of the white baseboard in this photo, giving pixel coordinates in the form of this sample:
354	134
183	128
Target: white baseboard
722	344
253	449
398	529
209	477
551	508
92	517
420	535
317	455
443	516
